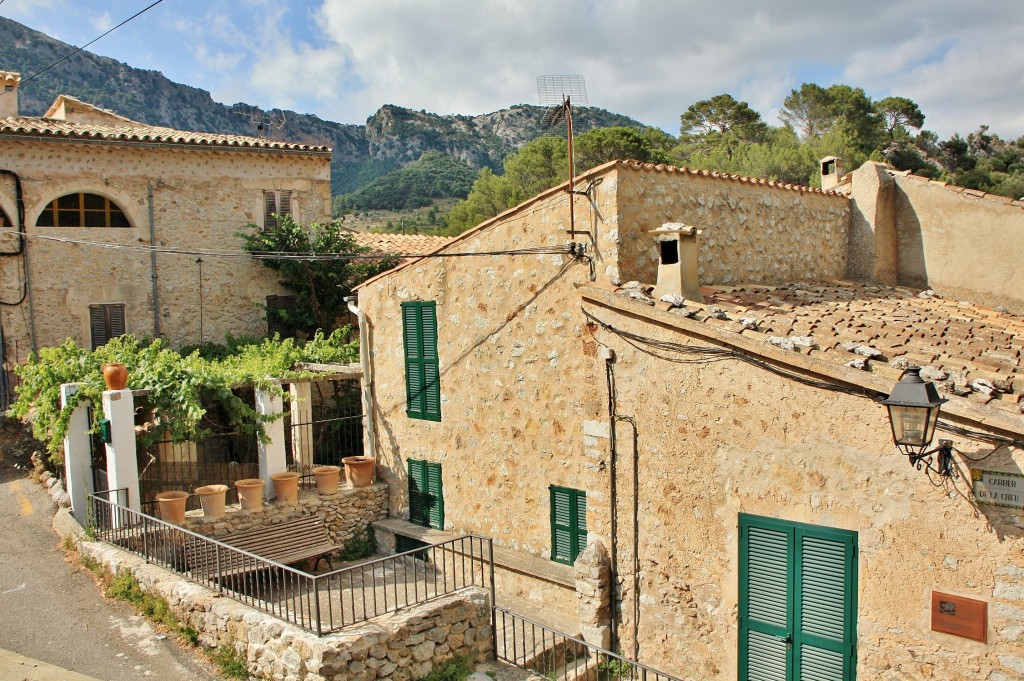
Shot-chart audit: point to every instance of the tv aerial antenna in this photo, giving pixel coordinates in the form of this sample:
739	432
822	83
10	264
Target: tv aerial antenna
262	120
559	93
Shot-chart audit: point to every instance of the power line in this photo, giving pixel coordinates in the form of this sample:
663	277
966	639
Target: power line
569	249
79	49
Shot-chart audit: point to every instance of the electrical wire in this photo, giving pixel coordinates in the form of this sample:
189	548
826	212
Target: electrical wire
571	248
79	49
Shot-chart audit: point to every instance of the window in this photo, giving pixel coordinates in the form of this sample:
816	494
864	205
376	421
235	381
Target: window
105	322
798	601
82	210
281	316
275	202
422	377
426	496
568	524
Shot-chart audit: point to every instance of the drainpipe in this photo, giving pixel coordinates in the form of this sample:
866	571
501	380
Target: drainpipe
152	264
364	360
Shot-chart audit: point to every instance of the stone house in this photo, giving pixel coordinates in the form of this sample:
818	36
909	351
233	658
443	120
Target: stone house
722	466
93	191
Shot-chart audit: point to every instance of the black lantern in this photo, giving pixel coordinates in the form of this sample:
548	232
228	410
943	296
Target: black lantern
914	407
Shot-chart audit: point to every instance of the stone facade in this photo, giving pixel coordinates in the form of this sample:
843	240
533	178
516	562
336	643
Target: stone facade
346	514
186	193
525	390
402	646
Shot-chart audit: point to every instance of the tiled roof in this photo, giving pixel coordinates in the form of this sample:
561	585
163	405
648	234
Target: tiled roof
728	177
132	132
406	244
966	349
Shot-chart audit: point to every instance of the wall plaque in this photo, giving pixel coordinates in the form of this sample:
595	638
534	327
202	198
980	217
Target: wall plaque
960	616
998	489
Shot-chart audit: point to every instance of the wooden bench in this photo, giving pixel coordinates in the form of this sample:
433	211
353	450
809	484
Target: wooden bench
286	543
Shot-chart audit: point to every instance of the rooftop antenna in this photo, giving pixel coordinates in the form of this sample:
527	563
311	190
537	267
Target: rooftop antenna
260	119
560	93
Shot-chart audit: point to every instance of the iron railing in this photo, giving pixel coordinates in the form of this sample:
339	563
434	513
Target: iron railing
333	429
552	654
319	603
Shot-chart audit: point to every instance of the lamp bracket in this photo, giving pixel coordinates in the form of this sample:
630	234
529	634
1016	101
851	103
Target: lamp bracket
942	464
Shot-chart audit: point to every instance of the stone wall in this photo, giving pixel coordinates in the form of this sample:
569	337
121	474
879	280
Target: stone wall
717	439
753	232
201	199
402	646
346	514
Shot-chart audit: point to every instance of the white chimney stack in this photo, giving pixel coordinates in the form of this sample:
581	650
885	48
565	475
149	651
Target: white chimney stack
677	261
9	94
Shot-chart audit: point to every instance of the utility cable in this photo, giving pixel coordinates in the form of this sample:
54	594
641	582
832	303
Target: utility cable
79	49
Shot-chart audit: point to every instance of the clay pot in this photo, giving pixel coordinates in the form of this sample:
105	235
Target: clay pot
359	470
286	487
115	376
327	478
211	498
172	506
250	493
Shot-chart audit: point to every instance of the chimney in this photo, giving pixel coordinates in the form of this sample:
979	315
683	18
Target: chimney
831	172
9	94
677	261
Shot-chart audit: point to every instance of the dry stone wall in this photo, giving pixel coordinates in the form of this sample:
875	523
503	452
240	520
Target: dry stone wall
346	514
402	646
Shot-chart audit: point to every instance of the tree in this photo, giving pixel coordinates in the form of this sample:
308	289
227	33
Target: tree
720	122
807	111
608	144
899	113
320	285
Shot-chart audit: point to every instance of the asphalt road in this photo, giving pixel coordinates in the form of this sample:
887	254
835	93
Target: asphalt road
54	612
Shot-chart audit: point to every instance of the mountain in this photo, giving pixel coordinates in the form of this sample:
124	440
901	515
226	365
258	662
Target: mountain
391	138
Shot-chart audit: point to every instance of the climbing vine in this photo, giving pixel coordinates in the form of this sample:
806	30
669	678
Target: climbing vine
178	386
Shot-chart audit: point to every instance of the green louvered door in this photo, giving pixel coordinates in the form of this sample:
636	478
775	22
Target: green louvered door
568	524
426	494
798	601
422	376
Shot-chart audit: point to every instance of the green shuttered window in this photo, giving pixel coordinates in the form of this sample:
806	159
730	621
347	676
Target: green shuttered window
426	494
422	378
568	524
798	601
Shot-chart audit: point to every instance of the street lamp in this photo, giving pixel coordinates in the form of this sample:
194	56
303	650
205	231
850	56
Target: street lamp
914	407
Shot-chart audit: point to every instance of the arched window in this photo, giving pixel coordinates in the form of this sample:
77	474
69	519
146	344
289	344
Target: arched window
82	210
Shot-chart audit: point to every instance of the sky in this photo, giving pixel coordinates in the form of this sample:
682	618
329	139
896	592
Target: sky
962	62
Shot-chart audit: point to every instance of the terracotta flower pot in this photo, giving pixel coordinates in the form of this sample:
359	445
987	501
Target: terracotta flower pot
115	376
211	498
172	506
286	487
327	478
359	470
250	493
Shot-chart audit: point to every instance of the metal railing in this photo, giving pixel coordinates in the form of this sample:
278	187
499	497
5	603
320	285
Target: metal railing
332	430
319	603
550	653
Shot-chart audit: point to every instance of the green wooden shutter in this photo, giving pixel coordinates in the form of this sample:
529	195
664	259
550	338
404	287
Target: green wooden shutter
568	524
825	618
435	507
418	493
422	376
798	590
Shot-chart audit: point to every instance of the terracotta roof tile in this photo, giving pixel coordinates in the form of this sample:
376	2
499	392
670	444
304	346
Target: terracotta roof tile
401	244
139	133
743	179
966	341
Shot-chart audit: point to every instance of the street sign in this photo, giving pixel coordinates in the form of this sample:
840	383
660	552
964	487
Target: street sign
998	489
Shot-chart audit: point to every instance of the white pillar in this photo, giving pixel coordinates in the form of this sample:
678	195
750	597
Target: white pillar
272	453
122	466
302	424
77	454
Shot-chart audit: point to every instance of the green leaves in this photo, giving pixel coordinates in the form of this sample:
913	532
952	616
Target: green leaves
179	387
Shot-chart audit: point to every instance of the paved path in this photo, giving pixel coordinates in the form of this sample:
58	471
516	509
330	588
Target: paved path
54	613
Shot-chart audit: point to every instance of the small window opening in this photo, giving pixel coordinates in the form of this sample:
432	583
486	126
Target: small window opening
669	252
